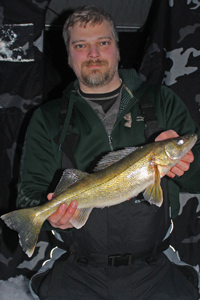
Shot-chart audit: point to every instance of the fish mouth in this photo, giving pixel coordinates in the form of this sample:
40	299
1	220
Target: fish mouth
192	138
181	146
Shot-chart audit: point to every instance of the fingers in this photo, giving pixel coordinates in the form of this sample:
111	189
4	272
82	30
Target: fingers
61	218
50	196
169	134
188	158
184	164
178	169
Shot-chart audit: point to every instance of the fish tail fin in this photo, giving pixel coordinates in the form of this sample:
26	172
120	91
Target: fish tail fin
28	224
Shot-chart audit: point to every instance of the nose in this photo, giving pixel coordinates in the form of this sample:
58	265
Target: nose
93	51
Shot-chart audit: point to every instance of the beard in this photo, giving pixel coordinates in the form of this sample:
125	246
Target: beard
94	78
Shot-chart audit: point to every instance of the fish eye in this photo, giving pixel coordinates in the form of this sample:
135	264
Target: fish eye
180	142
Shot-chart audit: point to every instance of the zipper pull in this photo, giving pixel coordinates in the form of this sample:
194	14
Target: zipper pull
110	142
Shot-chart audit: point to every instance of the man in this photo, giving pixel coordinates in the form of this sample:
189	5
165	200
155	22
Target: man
118	253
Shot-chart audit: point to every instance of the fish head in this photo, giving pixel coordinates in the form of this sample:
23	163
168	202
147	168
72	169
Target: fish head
178	147
169	152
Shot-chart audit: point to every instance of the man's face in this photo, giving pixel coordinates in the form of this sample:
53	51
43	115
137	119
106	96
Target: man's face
94	56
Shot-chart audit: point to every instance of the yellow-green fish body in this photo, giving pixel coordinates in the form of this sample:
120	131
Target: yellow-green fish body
118	177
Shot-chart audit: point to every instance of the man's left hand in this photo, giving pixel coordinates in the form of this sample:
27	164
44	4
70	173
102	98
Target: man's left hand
184	164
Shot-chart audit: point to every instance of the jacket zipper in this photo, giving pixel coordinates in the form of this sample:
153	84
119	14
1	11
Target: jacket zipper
110	141
109	135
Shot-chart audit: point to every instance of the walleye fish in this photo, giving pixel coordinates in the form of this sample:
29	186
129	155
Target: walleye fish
119	176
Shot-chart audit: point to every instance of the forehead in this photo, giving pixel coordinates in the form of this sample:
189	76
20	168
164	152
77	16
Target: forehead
80	32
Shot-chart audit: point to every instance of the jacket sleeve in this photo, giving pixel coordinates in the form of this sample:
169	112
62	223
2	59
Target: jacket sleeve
40	162
178	118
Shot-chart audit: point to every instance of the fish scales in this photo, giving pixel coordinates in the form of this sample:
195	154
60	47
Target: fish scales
114	180
107	182
125	184
119	176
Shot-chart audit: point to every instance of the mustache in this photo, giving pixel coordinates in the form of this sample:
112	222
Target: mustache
96	62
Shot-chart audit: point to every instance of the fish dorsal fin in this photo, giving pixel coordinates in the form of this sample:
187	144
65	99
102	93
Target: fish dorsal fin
112	158
80	217
69	177
153	193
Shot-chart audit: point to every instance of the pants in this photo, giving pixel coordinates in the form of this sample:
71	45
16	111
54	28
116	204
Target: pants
70	280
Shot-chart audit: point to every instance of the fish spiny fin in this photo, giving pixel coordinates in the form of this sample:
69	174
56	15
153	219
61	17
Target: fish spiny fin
80	217
112	158
27	222
69	177
153	193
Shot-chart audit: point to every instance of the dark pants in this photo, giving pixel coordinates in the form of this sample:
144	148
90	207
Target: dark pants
70	280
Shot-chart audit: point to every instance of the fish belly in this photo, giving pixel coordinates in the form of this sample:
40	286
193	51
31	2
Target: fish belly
126	185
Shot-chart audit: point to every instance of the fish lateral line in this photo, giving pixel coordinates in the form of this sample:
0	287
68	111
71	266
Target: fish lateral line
86	187
28	221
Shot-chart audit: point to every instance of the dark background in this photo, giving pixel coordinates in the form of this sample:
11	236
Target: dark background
160	39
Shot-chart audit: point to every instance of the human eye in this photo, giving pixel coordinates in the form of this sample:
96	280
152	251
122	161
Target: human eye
79	46
104	43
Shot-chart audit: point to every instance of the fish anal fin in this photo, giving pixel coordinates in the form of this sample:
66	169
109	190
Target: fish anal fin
154	193
80	217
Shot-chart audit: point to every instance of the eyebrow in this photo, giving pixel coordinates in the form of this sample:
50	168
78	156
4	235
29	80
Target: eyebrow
100	38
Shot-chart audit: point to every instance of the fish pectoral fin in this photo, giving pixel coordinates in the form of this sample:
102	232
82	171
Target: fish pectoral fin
154	193
80	217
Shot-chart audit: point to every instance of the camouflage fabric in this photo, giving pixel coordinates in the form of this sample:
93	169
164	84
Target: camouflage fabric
172	58
21	54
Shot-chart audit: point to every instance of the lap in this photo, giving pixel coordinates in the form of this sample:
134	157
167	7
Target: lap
140	281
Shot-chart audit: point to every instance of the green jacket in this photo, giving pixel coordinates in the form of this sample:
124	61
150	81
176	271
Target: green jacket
41	159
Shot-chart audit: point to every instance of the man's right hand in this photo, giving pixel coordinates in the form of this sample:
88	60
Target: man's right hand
60	218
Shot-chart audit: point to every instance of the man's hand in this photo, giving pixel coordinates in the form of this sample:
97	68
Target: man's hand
184	164
60	218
